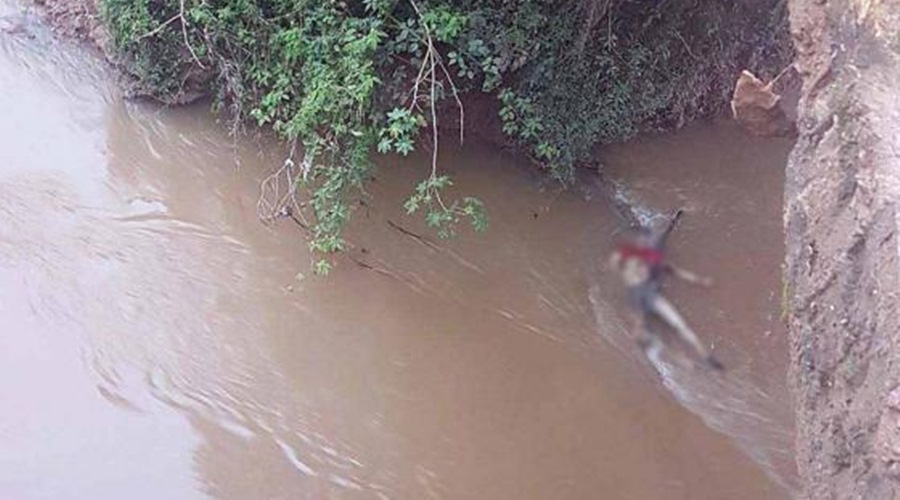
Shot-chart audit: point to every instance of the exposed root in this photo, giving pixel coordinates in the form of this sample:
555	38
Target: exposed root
278	192
428	74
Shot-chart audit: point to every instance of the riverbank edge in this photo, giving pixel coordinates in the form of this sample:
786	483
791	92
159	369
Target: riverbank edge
842	263
80	20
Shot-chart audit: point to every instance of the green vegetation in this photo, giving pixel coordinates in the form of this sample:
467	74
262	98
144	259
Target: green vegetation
341	80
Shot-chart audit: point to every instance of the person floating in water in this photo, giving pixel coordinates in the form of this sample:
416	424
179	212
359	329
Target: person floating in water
642	267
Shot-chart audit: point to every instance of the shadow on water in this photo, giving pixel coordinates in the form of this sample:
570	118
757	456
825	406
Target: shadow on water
157	340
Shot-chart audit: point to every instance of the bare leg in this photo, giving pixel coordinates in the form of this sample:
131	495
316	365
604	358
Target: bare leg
667	312
649	342
641	333
652	348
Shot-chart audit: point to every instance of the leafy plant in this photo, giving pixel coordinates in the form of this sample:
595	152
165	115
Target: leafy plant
443	217
400	133
342	79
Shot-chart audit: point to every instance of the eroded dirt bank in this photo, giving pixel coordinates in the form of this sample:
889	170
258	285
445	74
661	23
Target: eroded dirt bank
842	187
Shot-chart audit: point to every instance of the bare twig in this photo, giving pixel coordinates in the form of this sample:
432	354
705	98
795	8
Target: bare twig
686	46
159	28
780	75
430	64
184	33
278	194
434	119
459	104
593	15
180	16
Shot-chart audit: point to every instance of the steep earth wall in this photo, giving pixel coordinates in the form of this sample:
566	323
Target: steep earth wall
841	221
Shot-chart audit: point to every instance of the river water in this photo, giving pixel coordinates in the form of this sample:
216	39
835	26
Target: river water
158	341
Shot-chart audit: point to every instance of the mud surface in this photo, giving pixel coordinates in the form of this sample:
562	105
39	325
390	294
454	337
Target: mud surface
843	183
157	341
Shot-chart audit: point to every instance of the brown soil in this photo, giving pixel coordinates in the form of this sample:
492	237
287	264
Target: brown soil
762	108
80	20
77	19
842	187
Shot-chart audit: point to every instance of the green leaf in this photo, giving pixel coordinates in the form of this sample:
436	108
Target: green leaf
404	146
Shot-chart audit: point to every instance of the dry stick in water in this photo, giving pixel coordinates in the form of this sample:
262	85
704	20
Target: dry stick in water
359	262
418	237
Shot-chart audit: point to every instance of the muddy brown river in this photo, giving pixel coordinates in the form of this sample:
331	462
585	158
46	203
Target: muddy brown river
158	341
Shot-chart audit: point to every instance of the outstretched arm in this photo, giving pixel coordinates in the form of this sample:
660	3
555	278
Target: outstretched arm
663	235
689	277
